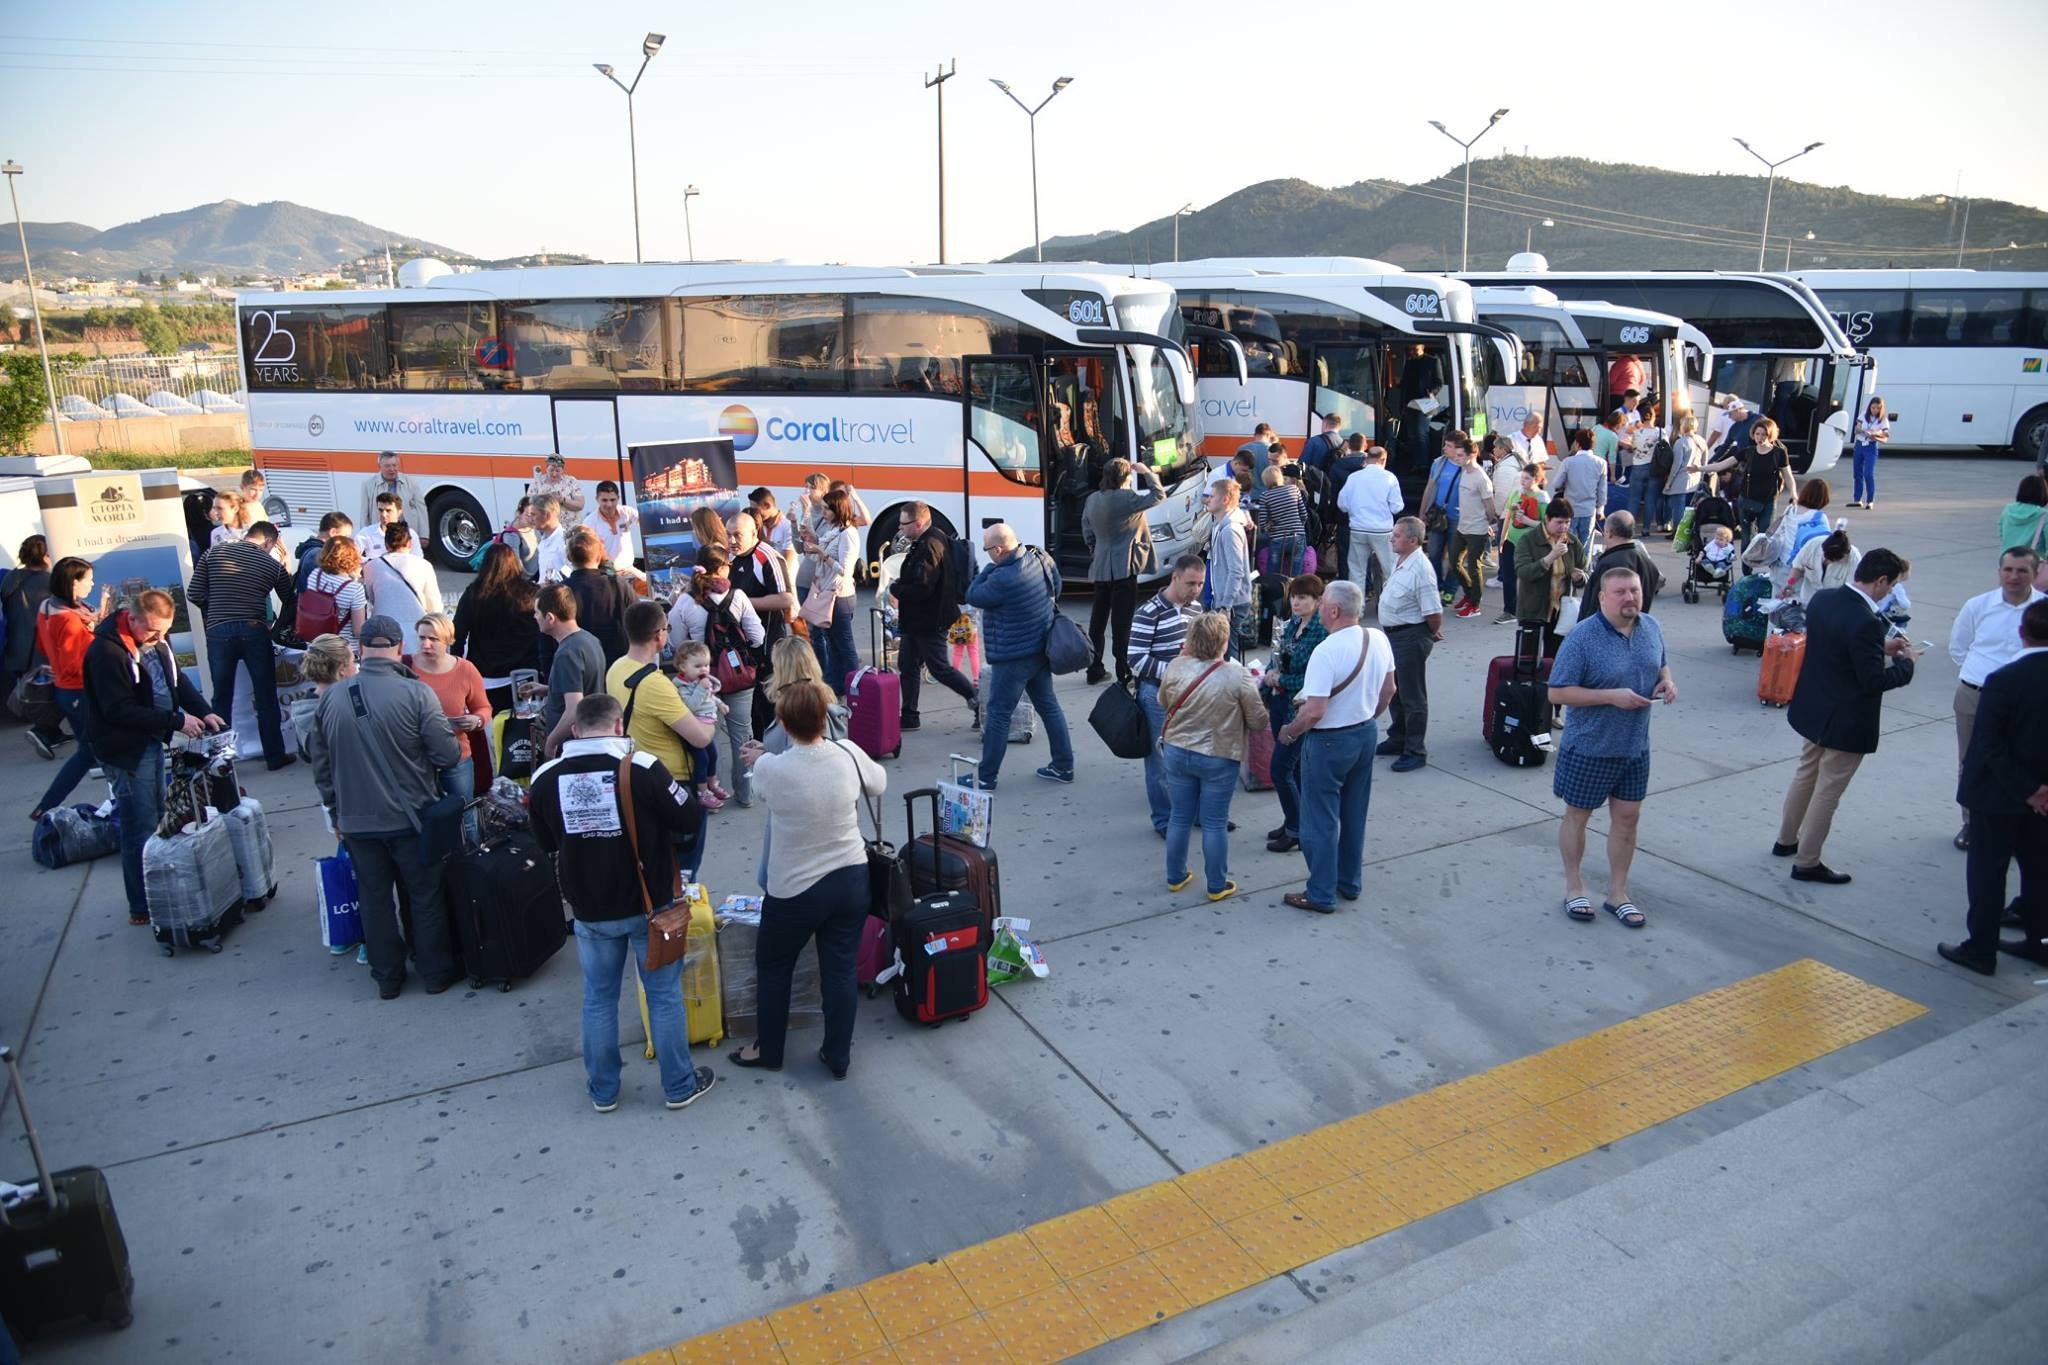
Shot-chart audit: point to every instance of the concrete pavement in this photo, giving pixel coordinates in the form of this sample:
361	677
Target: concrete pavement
302	1169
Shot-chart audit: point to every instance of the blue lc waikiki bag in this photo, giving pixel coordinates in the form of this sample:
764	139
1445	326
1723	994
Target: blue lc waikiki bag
341	902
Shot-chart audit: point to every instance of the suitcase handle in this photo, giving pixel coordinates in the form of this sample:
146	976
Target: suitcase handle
876	621
954	762
35	1144
1528	650
910	800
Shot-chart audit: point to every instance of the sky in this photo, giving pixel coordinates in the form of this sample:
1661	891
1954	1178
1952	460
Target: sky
811	137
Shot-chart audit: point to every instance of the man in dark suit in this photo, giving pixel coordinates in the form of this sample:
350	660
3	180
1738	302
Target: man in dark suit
927	594
1850	664
2005	788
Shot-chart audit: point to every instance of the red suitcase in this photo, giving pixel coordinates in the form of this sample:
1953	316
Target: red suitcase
875	696
1784	652
1256	772
1501	672
938	862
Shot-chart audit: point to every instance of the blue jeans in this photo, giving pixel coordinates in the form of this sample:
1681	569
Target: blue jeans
1286	765
138	805
227	646
1674	507
1865	460
1336	789
1155	766
1008	681
602	947
1437	546
1284	554
1200	787
1639	494
460	781
72	703
837	654
1582	527
1756	518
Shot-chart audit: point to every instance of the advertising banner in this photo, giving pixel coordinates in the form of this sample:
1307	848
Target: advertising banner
131	526
670	481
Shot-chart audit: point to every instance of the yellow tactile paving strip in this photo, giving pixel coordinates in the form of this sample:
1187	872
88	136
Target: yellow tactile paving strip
1071	1283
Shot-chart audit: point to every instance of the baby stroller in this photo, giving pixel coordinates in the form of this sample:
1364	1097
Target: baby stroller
1711	510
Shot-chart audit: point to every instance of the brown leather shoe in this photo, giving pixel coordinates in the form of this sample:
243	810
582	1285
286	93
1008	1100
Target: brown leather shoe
1300	901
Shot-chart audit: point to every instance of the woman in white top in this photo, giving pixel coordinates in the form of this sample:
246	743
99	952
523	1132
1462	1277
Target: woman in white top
1688	462
832	552
1642	450
1873	429
402	585
232	517
710	594
1824	562
340	573
817	873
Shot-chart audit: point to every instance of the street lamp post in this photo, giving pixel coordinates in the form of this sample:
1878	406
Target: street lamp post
649	45
1962	237
1183	211
689	237
1529	235
1037	241
1763	239
937	82
12	169
1465	243
1788	248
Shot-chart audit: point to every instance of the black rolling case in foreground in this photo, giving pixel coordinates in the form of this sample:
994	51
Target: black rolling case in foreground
62	1255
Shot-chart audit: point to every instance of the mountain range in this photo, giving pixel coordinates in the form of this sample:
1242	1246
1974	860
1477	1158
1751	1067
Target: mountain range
278	238
1604	216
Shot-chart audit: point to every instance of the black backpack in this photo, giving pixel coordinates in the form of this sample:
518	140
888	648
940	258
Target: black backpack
1660	462
959	567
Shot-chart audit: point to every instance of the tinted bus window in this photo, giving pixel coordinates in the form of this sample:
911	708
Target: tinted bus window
767	343
915	345
1749	314
585	344
2037	318
316	346
1870	317
1966	317
442	347
1542	339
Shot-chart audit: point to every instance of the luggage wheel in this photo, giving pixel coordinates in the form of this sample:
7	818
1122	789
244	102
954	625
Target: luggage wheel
868	990
214	945
476	983
504	987
168	950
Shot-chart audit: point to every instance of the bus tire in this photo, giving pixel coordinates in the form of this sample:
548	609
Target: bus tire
2030	436
459	527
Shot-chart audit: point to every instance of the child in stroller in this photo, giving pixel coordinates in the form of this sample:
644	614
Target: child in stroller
1711	563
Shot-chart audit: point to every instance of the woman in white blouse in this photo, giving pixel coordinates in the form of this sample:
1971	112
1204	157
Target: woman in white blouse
712	595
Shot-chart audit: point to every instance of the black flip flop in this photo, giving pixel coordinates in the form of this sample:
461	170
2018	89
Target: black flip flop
1580	909
1626	912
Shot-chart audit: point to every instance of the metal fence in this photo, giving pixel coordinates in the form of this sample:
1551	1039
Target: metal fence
208	381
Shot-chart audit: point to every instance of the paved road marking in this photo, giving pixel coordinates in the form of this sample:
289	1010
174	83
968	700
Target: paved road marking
1073	1282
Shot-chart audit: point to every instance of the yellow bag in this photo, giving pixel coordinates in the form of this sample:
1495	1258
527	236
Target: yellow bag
704	1017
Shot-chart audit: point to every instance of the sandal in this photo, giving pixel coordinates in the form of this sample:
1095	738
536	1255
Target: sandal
1300	901
1626	912
1580	909
740	1058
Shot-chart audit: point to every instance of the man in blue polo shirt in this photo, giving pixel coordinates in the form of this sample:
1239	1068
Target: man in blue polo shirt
1607	673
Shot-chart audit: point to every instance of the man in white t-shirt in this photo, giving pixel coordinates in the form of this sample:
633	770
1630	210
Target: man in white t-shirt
1349	682
551	561
615	525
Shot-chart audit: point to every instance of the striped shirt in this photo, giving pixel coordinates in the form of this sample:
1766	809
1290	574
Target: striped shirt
1157	630
1283	512
233	582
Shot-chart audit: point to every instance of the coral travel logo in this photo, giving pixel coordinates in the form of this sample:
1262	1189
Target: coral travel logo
737	424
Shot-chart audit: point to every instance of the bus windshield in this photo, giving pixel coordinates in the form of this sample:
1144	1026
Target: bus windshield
1164	440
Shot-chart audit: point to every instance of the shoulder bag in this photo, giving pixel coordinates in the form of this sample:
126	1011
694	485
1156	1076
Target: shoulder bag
633	695
1121	721
888	880
668	929
438	823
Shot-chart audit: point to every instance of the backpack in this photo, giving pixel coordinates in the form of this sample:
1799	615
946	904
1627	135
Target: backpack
734	664
959	566
1660	462
317	614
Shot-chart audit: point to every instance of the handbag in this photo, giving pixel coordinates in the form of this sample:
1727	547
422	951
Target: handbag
888	879
1120	720
341	902
34	698
1066	646
1183	700
668	929
439	822
1567	615
820	597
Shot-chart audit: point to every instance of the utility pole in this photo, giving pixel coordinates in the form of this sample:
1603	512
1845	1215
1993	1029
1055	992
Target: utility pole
689	234
12	170
1183	211
1964	236
937	81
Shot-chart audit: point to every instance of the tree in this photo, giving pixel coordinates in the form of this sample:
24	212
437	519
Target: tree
158	333
24	405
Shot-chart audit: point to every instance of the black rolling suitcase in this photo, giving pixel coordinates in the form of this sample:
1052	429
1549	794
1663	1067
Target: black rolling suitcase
504	909
62	1255
942	941
939	862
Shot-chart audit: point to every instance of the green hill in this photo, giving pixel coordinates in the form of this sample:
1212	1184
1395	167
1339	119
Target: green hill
1607	216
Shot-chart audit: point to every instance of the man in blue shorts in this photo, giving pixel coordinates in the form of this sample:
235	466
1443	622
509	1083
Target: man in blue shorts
1607	672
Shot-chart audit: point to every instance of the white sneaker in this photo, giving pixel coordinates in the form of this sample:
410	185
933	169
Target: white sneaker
604	1108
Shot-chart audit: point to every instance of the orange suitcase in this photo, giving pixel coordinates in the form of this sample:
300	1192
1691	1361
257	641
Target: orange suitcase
1784	651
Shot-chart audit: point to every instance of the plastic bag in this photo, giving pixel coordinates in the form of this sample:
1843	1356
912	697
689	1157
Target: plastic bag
739	986
73	834
965	812
341	902
1682	538
1011	956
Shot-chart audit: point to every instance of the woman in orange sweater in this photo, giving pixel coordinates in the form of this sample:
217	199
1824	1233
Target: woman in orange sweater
64	628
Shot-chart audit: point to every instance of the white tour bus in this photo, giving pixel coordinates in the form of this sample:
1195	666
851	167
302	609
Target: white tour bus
1964	353
1282	340
1570	348
969	391
1774	346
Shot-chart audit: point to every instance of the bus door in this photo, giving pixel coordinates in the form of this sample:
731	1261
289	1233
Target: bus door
1005	433
1348	380
1085	428
1419	409
1577	379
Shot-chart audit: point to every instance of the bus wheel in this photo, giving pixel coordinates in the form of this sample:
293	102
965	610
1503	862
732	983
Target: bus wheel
2030	437
460	527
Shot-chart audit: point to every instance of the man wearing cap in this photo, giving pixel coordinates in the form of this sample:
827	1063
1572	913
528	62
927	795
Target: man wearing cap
1727	431
412	503
378	744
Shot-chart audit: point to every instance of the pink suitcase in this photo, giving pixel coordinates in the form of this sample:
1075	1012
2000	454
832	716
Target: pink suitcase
876	952
875	696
